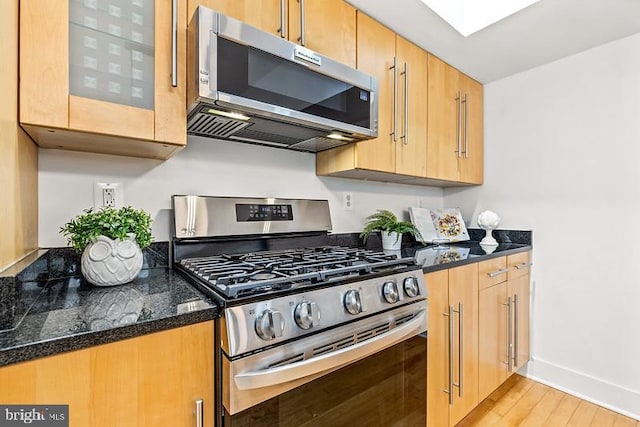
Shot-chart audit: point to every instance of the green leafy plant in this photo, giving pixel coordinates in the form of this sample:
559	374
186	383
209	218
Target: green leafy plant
384	220
109	222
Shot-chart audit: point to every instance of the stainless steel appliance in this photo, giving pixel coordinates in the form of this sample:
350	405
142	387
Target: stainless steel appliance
312	332
246	85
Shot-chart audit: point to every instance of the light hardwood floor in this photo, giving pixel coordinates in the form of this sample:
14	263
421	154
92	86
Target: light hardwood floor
523	402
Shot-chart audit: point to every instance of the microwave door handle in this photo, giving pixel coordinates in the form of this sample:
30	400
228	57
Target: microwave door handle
174	43
331	361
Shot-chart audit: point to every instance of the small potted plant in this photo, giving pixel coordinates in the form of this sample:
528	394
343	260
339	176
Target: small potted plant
391	229
111	242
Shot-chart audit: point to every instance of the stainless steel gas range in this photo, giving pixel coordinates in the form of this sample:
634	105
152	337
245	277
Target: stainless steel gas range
312	333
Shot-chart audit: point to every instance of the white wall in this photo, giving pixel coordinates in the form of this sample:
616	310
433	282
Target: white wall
563	158
208	167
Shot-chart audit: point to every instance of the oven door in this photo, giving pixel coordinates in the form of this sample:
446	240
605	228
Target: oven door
372	372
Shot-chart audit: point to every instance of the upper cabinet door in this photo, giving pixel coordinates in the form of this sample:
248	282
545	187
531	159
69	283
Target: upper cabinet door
455	125
325	26
268	15
411	147
376	52
471	163
444	135
111	68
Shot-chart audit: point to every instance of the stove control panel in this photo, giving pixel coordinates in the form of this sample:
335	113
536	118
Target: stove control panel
254	325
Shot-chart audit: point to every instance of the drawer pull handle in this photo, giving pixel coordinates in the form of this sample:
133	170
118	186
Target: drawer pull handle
498	272
523	265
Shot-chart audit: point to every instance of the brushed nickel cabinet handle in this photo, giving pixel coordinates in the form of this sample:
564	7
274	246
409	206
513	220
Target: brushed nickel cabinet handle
459	124
498	272
406	104
302	39
466	126
515	329
449	391
283	19
174	43
509	341
394	67
508	355
522	265
460	383
199	413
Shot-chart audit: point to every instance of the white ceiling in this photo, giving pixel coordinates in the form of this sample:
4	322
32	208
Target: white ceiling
543	32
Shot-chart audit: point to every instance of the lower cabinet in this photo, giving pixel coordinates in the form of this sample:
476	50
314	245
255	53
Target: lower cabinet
503	319
152	380
452	357
519	278
478	333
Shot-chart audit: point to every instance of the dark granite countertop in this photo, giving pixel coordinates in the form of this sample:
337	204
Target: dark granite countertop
48	308
434	258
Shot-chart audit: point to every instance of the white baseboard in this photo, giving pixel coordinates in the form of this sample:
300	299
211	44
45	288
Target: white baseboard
594	390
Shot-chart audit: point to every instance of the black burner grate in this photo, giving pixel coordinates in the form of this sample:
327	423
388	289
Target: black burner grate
262	272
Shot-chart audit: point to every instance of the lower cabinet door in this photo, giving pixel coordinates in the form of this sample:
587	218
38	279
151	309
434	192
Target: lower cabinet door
493	340
518	289
463	300
152	380
452	356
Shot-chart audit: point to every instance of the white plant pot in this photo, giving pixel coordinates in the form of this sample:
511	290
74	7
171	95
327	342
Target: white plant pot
107	262
391	240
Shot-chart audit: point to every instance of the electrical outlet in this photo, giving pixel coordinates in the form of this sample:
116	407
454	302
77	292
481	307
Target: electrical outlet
347	201
108	195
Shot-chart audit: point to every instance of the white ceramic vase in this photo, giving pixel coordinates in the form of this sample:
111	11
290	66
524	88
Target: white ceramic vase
391	240
107	262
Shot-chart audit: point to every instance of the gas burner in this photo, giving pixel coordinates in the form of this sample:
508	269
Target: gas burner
257	273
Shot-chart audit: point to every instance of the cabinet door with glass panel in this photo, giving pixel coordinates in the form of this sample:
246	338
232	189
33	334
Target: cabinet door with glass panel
105	76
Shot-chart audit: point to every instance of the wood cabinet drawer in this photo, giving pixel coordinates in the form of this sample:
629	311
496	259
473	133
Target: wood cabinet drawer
492	272
518	264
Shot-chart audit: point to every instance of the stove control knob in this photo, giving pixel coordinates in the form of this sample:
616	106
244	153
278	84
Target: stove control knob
390	292
411	288
352	302
307	314
269	324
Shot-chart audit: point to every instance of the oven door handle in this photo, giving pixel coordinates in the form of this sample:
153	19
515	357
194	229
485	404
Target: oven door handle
331	361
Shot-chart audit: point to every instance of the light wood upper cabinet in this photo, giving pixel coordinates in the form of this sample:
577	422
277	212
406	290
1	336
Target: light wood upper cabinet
100	80
329	25
264	14
329	28
454	125
411	147
400	148
471	163
453	335
150	380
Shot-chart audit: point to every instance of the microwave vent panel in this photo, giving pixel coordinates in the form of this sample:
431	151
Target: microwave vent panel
214	126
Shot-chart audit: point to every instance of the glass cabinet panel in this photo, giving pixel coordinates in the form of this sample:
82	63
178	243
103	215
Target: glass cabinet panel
111	51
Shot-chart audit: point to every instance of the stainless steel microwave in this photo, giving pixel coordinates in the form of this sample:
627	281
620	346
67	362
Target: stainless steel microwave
246	85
